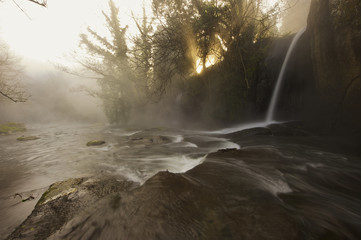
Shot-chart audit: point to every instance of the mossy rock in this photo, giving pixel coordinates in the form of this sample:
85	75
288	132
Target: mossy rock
95	143
10	127
27	138
59	189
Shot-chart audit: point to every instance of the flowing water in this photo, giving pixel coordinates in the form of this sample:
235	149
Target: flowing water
30	167
316	179
277	89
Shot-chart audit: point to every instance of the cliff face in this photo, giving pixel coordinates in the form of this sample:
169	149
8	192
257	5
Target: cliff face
296	99
334	28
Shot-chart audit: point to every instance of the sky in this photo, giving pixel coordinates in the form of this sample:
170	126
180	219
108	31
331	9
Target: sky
48	34
51	34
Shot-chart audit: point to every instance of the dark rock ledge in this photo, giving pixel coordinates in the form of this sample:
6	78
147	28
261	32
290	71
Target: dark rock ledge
215	200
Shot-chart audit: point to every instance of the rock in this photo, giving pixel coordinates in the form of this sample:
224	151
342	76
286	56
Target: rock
160	139
64	200
95	143
334	28
149	139
60	189
288	130
258	131
9	128
27	138
215	200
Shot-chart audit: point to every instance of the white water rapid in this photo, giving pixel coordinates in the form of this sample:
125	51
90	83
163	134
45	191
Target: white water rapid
276	91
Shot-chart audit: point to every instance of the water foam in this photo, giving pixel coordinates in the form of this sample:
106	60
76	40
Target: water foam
239	127
177	138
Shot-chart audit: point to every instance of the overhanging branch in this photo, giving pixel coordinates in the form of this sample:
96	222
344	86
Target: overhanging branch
12	99
43	3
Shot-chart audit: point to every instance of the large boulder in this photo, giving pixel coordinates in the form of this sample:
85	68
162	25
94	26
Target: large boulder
215	200
65	200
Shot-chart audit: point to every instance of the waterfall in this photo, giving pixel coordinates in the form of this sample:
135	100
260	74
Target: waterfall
270	112
276	91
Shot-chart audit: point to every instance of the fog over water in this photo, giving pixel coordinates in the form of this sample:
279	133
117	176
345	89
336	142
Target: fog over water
185	162
55	97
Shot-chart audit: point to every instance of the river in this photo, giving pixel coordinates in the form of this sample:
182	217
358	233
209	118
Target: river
316	179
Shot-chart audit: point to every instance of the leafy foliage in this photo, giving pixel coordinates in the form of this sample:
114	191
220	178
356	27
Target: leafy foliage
181	37
109	60
347	13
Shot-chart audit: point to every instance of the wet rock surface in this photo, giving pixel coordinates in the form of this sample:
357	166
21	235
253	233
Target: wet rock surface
148	139
334	28
11	127
212	201
63	201
95	143
279	183
27	138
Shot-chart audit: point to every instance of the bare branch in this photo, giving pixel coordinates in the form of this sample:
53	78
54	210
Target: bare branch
22	10
7	96
10	73
43	3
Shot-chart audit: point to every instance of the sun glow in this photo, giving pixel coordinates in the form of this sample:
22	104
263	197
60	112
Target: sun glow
47	34
210	61
224	47
199	67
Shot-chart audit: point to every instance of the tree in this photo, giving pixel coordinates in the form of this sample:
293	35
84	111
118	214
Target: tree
169	46
42	3
208	26
230	30
141	53
172	43
108	59
10	74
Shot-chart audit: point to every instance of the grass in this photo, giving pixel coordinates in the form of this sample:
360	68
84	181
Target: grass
11	127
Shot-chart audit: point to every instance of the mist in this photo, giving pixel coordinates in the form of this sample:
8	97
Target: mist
180	119
294	16
55	98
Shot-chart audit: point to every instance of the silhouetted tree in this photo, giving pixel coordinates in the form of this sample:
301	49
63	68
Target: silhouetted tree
108	59
141	53
231	30
172	43
10	74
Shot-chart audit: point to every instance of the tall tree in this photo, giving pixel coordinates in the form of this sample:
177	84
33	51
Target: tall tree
172	43
108	59
209	28
141	53
229	30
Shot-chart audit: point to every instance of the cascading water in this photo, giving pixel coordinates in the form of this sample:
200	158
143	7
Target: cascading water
271	109
276	92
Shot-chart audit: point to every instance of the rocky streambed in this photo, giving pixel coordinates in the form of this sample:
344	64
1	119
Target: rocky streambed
281	183
215	200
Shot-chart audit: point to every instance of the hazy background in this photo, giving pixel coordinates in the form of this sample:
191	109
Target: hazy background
55	97
43	37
